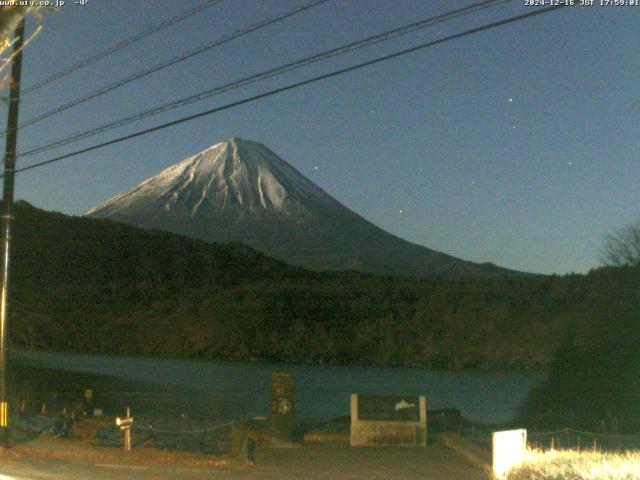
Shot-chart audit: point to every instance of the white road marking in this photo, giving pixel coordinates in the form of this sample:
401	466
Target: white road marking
201	470
109	465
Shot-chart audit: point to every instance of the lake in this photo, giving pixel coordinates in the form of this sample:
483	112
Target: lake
321	391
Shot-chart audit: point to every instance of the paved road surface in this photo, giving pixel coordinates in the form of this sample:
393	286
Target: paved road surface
332	461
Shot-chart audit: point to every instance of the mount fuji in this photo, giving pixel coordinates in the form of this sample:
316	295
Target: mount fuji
240	191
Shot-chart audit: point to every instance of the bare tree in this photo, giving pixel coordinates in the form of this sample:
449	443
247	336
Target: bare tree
622	246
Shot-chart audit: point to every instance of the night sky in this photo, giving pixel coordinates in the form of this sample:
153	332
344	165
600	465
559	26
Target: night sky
517	145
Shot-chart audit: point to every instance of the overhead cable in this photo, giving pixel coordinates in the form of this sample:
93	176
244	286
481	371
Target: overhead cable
119	46
295	86
173	61
270	73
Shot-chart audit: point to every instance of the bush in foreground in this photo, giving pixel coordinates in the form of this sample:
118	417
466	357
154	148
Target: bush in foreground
577	465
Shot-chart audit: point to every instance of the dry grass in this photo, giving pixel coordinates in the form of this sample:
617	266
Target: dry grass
577	465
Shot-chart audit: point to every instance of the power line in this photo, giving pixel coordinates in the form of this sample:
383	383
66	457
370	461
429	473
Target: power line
273	72
173	61
120	45
295	85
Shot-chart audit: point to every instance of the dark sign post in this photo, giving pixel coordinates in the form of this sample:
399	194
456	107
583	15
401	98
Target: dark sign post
281	411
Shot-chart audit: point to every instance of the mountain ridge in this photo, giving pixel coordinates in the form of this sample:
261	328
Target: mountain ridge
240	190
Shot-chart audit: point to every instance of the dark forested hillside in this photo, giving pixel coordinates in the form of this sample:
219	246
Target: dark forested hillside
93	285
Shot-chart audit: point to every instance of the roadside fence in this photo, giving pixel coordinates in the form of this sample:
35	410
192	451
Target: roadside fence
171	418
562	439
574	439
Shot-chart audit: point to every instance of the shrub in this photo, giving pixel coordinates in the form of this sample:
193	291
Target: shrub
577	465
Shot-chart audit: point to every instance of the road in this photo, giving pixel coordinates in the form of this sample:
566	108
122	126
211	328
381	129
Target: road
308	462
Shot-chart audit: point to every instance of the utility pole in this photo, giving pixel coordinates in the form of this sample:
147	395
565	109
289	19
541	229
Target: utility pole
7	210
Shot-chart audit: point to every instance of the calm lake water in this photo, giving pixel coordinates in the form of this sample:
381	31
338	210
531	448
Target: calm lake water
321	391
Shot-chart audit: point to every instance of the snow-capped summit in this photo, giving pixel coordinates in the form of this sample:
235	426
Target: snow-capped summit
239	190
235	173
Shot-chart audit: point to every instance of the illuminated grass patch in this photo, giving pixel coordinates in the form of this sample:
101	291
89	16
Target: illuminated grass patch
576	465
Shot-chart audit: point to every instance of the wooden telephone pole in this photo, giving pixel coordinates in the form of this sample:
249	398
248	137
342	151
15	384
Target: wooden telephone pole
7	211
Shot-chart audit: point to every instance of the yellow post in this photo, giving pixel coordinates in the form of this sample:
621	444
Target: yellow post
4	414
125	425
127	433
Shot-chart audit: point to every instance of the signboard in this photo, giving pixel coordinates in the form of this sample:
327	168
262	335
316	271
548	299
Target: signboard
509	448
388	420
389	408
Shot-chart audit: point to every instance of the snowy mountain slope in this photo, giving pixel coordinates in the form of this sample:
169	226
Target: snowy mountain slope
239	190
